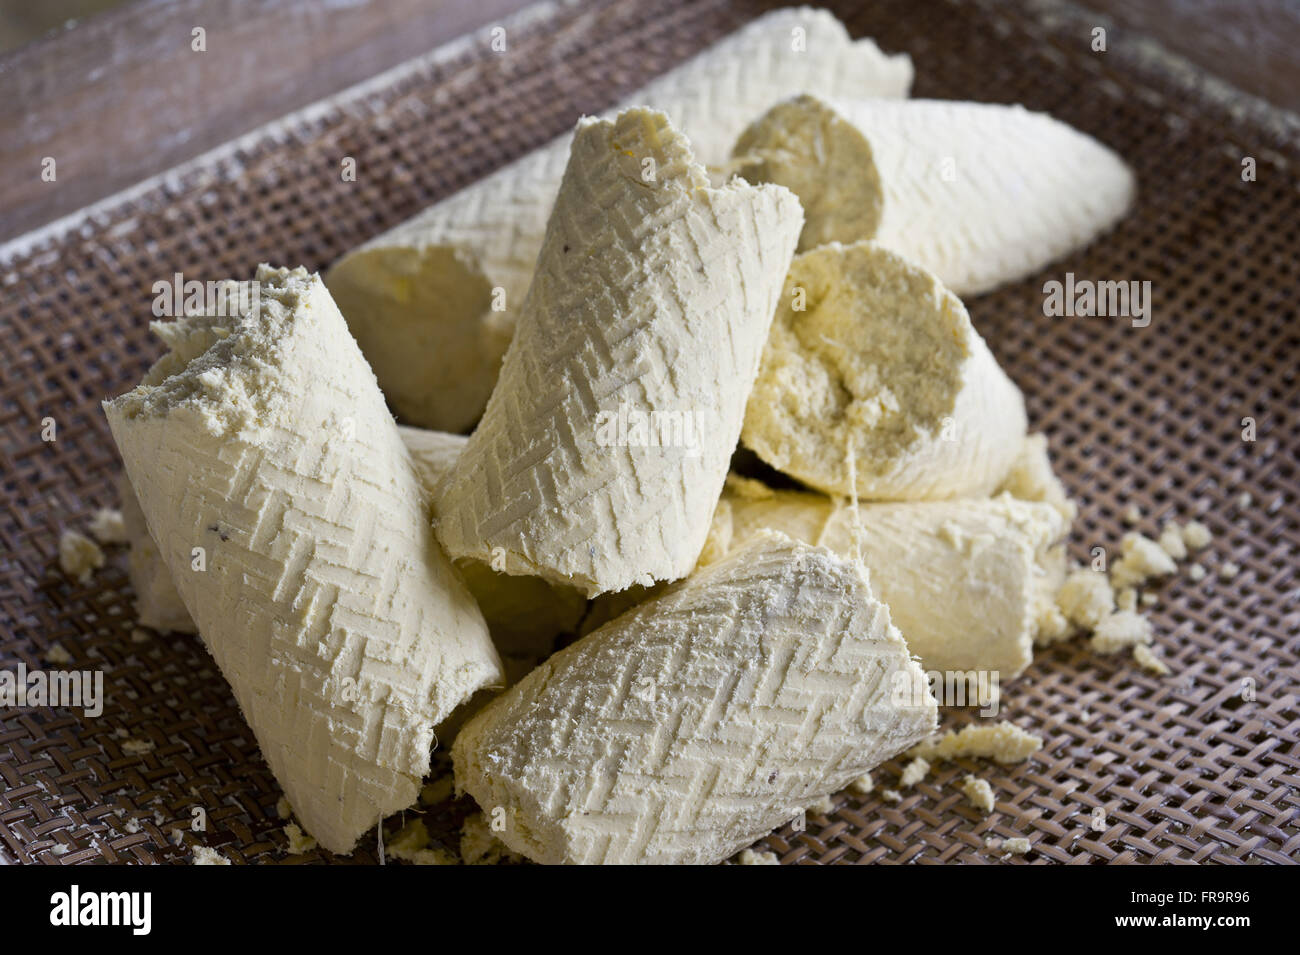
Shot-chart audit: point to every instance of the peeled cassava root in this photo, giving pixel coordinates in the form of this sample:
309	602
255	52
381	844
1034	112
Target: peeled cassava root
433	302
697	722
603	450
293	524
875	383
979	194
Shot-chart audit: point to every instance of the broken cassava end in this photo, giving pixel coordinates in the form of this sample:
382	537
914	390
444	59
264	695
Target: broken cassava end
872	366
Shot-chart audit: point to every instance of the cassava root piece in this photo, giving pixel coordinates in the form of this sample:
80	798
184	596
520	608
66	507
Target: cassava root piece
291	519
694	724
602	452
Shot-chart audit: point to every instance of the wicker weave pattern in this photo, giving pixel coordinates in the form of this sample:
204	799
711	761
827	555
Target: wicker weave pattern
1184	768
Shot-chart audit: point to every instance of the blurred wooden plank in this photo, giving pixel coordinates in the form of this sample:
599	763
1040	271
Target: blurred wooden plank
1253	44
123	95
22	22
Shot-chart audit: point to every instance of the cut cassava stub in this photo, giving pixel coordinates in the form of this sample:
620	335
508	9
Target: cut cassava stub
979	194
604	447
875	383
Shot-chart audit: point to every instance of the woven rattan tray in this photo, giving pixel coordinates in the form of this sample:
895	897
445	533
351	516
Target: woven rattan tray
1188	768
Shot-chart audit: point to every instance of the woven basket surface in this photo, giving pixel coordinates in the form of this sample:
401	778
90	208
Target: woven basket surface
1199	766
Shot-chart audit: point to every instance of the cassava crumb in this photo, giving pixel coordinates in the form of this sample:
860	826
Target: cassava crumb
761	857
137	747
282	808
1171	541
57	655
1051	626
862	785
1017	846
299	842
413	836
1003	742
1196	535
824	806
890	795
411	844
914	772
1244	500
1228	570
1147	659
205	856
1085	597
1127	599
1133	515
479	845
1141	559
107	526
979	792
1196	572
1120	630
79	556
1150	600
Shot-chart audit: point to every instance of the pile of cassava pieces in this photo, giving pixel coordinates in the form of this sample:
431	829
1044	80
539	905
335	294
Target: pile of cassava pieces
764	247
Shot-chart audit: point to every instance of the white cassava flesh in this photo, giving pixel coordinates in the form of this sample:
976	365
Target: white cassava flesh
702	719
420	298
965	581
321	591
523	614
604	448
1032	478
979	194
873	368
